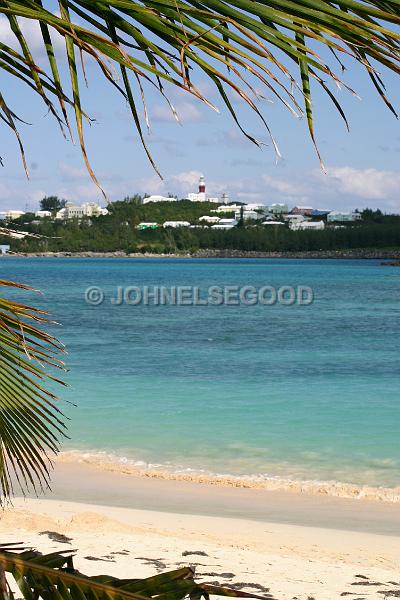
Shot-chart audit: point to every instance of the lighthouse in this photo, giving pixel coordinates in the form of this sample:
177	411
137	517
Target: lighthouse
202	185
201	196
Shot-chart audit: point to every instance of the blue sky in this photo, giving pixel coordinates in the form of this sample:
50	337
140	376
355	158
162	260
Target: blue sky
362	167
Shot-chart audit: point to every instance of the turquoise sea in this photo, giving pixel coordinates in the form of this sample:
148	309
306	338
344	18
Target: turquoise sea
295	392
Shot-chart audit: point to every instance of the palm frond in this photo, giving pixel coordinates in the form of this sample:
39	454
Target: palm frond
53	576
282	46
30	422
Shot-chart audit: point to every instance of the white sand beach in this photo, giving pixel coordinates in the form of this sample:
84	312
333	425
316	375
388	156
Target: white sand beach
277	553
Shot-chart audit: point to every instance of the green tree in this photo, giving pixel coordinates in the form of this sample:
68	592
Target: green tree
52	204
241	219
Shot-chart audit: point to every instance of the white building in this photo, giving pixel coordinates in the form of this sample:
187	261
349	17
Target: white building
94	210
211	220
272	223
42	214
74	211
225	198
176	224
4	248
307	225
343	217
156	198
198	197
228	208
61	214
278	209
147	225
225	224
261	207
295	218
248	215
14	214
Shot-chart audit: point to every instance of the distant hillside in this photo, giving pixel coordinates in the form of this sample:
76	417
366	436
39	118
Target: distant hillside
159	212
118	231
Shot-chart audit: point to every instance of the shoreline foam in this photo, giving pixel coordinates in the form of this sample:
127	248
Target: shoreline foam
107	463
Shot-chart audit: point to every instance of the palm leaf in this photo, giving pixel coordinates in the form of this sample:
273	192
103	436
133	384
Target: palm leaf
278	43
53	576
30	422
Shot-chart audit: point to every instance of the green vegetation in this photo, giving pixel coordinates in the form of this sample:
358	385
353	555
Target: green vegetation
52	204
118	231
159	212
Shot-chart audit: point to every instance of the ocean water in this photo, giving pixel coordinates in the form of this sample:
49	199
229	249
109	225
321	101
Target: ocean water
295	392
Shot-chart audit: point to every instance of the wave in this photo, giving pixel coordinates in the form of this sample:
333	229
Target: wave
108	462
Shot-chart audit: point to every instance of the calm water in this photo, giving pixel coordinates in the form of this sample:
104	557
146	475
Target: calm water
306	392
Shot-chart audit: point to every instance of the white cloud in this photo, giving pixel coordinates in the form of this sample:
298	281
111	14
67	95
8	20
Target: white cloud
35	196
311	187
149	185
70	172
179	183
5	192
87	192
186	178
187	112
290	188
370	184
11	197
344	188
250	197
32	33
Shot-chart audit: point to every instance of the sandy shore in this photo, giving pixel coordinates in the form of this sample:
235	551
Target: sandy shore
283	545
280	561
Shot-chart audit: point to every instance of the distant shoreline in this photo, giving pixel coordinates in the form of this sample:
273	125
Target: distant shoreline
361	253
